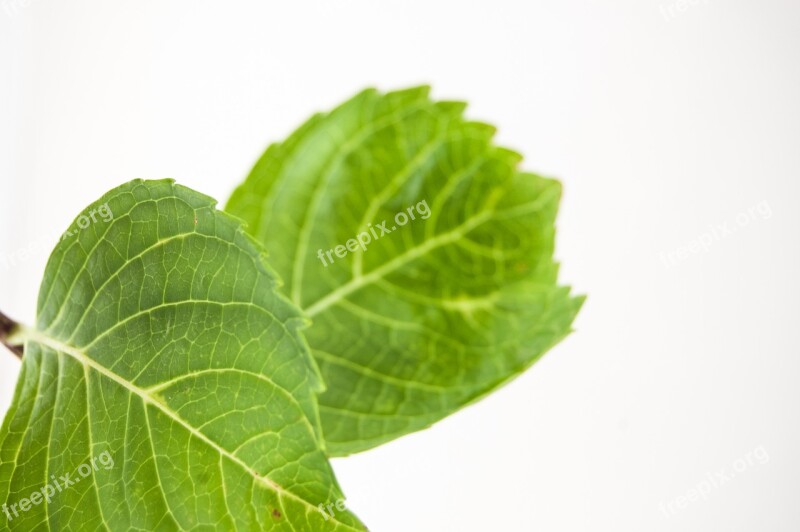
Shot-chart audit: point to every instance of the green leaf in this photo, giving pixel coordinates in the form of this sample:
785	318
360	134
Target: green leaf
165	366
438	311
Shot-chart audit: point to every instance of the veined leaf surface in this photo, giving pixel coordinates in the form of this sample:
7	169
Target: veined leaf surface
164	358
435	312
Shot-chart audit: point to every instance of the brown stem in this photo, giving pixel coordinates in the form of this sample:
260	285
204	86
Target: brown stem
8	326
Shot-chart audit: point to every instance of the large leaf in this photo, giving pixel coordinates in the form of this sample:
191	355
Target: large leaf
435	313
163	358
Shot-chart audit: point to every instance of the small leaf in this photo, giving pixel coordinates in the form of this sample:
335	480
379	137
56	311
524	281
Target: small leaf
165	385
435	311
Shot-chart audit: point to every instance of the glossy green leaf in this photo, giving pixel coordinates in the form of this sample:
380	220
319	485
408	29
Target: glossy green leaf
165	385
433	312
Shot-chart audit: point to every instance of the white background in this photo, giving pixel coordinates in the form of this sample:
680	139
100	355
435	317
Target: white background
660	121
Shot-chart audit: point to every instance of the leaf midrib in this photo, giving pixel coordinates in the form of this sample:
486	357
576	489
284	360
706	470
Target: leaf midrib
359	281
58	346
398	262
304	233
